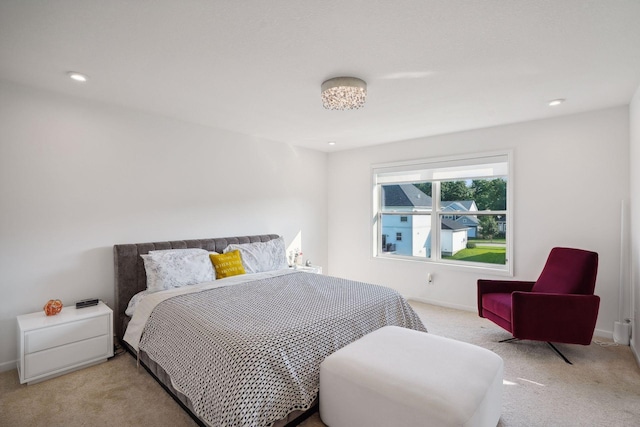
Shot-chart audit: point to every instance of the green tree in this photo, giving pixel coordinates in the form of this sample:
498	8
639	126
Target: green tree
481	193
488	226
490	194
499	194
425	187
455	190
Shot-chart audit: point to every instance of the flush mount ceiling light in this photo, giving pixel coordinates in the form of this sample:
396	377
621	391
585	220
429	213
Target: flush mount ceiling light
79	77
555	102
344	93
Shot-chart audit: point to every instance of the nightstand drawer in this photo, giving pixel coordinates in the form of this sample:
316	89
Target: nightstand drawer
66	333
51	360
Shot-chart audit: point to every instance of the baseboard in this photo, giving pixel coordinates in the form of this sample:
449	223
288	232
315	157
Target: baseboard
635	354
442	304
601	333
8	366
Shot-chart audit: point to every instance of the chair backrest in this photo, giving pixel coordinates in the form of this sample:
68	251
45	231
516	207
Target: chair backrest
568	271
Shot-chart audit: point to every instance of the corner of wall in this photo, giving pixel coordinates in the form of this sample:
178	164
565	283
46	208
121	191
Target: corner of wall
8	366
634	156
634	351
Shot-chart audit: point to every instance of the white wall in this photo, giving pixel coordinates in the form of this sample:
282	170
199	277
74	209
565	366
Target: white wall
635	222
78	177
571	174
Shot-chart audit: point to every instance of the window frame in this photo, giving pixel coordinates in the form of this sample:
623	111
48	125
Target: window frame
437	213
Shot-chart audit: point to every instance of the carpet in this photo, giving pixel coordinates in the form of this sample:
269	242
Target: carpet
601	388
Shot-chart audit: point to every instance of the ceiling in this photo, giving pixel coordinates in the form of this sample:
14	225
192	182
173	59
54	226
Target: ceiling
255	67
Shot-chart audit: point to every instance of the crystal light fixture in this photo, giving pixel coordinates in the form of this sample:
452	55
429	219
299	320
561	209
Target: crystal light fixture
344	93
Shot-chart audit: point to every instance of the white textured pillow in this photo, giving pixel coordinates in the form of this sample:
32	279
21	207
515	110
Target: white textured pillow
174	268
262	256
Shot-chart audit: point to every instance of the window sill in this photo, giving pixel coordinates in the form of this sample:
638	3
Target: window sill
466	266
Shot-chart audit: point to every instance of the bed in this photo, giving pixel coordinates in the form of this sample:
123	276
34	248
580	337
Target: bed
245	350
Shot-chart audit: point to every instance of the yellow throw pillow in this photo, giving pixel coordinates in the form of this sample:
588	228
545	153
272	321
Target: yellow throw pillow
226	265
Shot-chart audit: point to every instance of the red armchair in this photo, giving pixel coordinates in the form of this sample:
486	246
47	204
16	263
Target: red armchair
559	307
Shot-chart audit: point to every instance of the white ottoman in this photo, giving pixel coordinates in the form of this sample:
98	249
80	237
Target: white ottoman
401	377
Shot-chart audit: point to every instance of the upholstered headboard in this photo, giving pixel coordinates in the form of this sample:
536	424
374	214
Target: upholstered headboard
130	276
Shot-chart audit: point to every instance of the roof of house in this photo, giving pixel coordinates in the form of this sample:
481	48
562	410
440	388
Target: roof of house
404	195
448	224
459	205
467	220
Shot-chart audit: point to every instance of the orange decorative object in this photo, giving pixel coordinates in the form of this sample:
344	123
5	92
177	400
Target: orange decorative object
52	307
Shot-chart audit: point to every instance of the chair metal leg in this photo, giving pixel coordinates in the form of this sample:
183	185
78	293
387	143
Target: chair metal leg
553	347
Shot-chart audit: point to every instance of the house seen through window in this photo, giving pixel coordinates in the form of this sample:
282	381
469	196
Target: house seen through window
452	210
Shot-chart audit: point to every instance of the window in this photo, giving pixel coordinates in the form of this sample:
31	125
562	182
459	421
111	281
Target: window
451	210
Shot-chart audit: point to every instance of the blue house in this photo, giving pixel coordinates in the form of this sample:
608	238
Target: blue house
406	234
411	234
469	221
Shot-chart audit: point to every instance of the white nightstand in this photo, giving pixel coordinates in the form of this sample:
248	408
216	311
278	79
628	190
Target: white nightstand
317	269
49	346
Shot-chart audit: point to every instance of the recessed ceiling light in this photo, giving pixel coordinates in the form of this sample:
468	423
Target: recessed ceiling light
332	143
555	102
79	77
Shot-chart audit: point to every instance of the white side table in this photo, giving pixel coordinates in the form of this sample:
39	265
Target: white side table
317	269
49	346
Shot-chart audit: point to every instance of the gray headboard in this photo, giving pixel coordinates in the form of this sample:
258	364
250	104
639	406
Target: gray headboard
130	276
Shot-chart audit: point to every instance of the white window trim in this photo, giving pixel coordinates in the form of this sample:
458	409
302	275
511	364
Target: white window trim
506	270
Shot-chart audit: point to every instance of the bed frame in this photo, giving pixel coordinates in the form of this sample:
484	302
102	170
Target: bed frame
131	278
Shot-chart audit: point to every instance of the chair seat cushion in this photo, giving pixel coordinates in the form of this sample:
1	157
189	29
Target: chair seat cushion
498	304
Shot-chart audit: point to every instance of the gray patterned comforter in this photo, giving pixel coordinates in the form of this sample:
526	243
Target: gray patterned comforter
249	354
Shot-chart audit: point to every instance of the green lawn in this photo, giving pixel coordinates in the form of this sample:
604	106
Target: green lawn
495	240
486	254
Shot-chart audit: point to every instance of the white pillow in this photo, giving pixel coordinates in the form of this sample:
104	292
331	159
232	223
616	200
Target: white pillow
262	256
174	268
